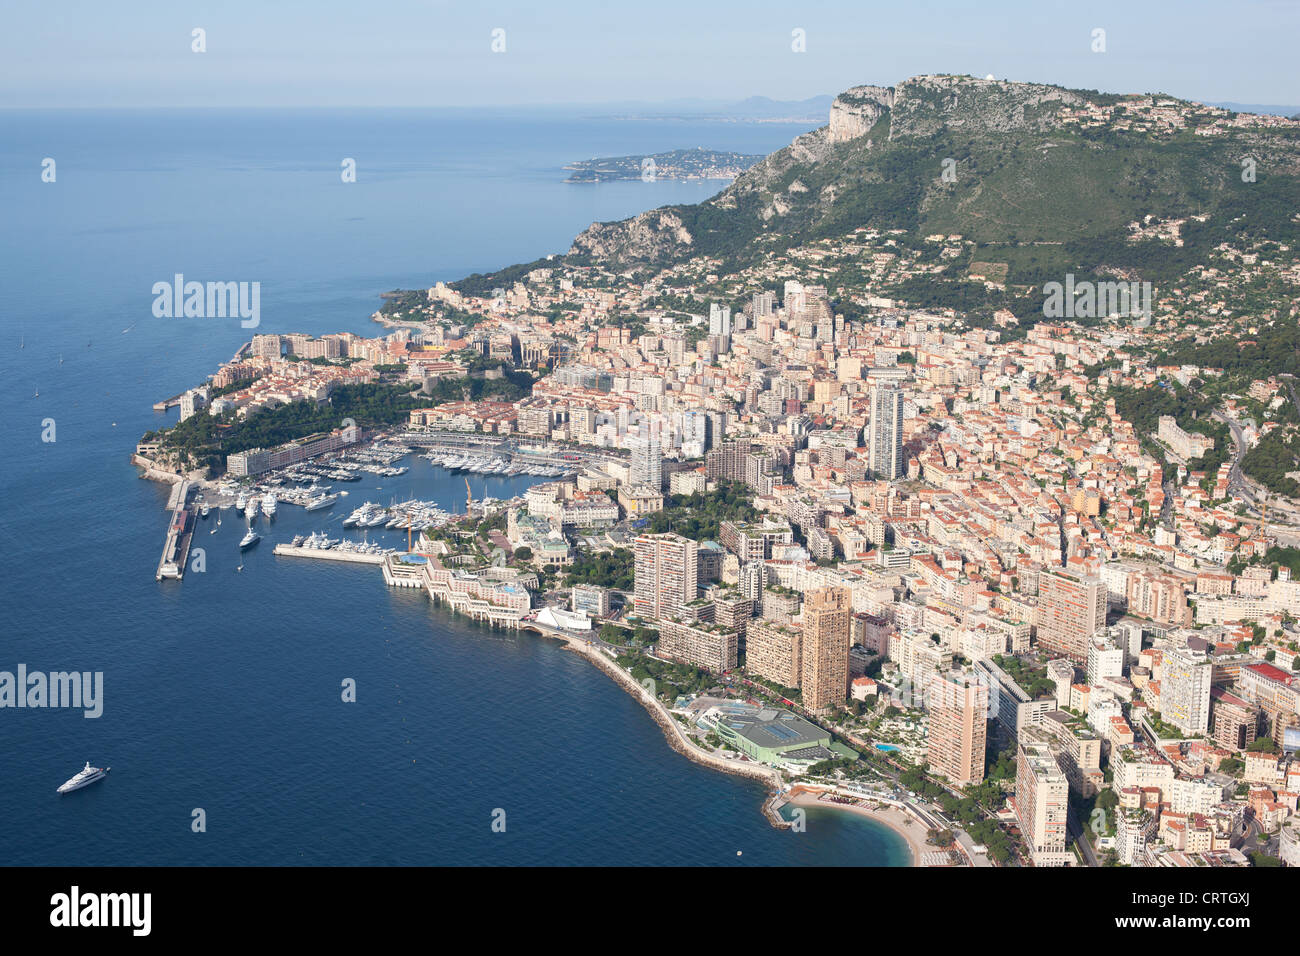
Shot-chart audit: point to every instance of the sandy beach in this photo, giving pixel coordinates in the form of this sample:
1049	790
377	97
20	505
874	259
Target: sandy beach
898	821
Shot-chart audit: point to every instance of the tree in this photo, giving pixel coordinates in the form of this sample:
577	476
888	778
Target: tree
940	838
524	554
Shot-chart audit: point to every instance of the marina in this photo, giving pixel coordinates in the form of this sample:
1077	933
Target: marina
304	486
261	505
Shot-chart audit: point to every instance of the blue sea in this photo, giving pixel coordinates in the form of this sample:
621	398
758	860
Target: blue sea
222	693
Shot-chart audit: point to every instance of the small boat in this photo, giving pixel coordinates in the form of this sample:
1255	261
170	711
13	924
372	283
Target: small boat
205	510
85	778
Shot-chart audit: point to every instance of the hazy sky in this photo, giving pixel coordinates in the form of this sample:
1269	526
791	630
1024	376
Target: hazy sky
68	53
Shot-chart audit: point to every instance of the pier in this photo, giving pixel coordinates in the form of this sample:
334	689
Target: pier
328	554
180	531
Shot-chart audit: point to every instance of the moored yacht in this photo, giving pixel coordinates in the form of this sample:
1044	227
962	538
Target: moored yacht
84	778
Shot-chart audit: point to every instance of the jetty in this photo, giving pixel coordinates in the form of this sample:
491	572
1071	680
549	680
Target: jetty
180	531
329	554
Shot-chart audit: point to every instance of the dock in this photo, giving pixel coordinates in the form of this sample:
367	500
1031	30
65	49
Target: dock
180	531
328	554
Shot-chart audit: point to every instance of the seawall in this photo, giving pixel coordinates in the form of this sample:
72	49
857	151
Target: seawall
671	731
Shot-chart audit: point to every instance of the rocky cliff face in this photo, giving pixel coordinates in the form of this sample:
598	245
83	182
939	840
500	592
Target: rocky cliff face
924	105
648	236
855	111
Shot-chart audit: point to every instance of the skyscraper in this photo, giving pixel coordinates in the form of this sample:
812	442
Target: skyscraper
647	463
666	574
1071	609
753	578
719	319
959	710
1185	690
885	434
827	615
1042	800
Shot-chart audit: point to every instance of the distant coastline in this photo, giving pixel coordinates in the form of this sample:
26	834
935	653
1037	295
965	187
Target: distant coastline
697	163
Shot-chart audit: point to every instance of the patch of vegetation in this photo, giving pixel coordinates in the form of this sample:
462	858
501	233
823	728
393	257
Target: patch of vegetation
208	439
611	569
700	516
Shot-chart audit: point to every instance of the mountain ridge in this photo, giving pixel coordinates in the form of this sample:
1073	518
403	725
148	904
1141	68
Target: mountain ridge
1005	163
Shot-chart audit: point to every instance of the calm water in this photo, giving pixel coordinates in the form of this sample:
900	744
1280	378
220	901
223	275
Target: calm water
223	692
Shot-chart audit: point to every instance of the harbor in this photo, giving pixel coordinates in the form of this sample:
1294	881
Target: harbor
313	487
391	498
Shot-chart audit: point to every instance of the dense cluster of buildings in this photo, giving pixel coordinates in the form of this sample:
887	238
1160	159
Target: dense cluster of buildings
955	514
935	500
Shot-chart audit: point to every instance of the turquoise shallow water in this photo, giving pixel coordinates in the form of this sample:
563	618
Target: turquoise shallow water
223	692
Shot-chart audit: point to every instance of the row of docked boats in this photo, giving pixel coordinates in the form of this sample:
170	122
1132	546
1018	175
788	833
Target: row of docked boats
318	541
412	514
369	515
493	465
250	503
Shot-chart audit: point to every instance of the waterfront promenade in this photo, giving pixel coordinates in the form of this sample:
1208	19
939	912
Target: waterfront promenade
677	738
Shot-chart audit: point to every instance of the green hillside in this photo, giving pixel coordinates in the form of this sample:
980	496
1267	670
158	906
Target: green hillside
1040	194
